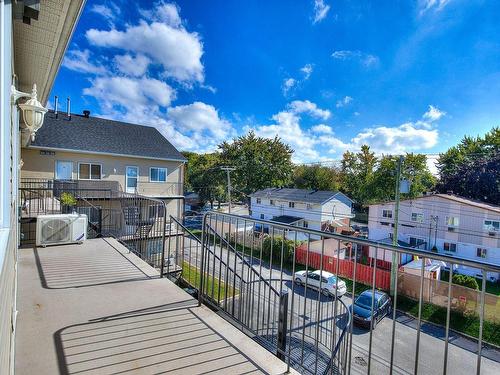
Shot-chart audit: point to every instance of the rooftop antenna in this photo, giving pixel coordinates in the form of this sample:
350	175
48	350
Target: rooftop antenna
69	107
56	105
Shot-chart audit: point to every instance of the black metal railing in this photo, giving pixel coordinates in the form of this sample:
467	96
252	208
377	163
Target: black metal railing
136	221
246	270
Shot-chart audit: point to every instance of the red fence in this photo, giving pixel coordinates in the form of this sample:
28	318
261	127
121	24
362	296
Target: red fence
364	274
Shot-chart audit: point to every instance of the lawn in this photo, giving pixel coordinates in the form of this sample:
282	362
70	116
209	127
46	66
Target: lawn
491	287
191	274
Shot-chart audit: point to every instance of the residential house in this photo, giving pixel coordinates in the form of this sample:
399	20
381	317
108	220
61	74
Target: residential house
446	223
314	209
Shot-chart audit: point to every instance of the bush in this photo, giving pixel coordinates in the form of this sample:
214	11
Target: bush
68	199
277	243
467	281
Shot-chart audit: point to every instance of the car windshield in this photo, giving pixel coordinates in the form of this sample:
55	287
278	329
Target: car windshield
365	301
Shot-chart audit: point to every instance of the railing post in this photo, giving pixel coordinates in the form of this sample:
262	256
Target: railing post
202	262
282	325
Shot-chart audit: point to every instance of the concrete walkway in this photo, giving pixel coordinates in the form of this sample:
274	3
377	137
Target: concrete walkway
97	309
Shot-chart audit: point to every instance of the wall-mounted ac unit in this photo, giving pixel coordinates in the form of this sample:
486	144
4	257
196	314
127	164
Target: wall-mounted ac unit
60	229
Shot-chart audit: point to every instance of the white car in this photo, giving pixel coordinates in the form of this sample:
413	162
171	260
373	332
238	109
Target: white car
328	282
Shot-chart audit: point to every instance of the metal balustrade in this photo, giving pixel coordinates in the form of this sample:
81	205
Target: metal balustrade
244	268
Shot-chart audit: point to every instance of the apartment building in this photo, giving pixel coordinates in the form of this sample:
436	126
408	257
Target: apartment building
97	152
444	223
314	209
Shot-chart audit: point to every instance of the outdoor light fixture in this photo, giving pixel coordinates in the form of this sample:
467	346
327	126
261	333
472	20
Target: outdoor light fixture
33	110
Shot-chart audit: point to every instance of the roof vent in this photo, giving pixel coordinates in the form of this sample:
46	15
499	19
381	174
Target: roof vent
86	113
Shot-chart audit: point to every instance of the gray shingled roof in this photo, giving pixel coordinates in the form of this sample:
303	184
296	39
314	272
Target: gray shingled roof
297	195
100	135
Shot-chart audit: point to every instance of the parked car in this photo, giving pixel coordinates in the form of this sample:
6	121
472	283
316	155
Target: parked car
327	280
362	308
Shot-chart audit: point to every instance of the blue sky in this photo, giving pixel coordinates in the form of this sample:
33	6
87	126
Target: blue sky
325	75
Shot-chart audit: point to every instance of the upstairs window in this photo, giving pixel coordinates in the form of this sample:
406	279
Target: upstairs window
262	216
89	171
291	204
481	252
309	206
271	202
491	225
452	221
258	201
416	242
387	214
417	217
305	224
451	247
157	174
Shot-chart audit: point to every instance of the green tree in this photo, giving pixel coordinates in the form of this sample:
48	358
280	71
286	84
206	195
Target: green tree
357	174
316	177
259	163
472	168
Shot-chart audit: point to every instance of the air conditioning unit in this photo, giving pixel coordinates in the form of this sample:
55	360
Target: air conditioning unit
60	229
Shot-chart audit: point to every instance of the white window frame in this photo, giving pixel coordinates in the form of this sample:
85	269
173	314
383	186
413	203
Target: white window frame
90	171
66	161
126	176
291	204
417	217
384	214
449	245
158	182
490	227
262	217
481	252
305	224
453	223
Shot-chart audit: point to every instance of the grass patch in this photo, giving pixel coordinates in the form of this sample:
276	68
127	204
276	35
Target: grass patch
491	287
191	275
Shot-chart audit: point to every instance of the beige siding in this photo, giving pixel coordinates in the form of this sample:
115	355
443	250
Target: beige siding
37	165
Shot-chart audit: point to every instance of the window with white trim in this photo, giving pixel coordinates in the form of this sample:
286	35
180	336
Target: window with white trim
89	171
305	224
416	242
157	174
452	221
417	217
258	201
491	225
262	217
291	204
271	202
450	246
387	214
481	252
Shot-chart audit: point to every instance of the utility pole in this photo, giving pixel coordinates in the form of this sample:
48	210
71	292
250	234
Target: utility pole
394	264
228	171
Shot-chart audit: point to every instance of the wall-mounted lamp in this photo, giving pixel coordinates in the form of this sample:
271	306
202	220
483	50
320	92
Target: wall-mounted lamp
33	110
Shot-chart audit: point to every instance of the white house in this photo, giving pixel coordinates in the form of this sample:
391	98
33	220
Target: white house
314	209
450	224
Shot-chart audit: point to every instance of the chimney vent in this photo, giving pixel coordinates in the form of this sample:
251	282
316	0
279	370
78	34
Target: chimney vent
69	108
56	105
86	113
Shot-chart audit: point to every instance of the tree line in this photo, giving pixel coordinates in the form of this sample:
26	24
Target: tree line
470	169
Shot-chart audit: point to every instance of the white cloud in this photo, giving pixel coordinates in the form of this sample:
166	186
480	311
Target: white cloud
288	85
202	124
320	10
364	58
344	101
79	61
134	66
164	40
435	5
322	129
108	12
307	70
306	106
433	114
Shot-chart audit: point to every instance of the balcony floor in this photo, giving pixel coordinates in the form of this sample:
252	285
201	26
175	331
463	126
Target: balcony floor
97	309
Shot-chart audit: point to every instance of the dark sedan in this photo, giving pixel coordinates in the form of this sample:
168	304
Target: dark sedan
362	308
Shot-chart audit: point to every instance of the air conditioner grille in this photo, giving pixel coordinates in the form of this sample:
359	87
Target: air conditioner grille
56	230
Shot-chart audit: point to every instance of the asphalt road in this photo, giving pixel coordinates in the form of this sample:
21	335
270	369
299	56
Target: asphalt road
306	310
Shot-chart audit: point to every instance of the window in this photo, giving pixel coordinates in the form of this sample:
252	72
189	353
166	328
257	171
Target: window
258	201
481	252
491	225
452	221
156	211
305	224
309	206
89	171
157	174
291	204
416	242
262	216
419	218
387	214
271	202
452	247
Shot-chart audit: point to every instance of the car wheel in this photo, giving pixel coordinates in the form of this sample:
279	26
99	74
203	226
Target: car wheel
326	292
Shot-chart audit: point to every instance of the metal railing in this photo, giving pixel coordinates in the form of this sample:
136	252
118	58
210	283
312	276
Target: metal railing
248	276
160	189
136	221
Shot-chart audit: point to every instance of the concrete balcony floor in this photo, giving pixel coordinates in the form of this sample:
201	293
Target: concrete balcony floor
95	308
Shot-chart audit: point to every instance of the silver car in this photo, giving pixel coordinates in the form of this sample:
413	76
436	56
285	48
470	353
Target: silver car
327	280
